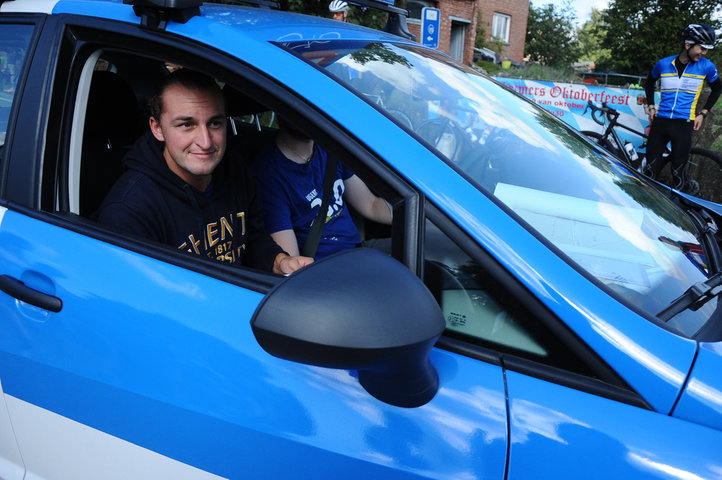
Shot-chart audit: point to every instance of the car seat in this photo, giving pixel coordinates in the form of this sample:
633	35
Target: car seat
246	138
110	130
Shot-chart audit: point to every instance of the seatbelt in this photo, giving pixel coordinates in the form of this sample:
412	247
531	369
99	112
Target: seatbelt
314	235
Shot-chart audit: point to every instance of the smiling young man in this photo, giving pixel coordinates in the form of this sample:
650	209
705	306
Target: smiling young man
682	77
183	188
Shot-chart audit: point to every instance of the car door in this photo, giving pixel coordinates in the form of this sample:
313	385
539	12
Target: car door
124	359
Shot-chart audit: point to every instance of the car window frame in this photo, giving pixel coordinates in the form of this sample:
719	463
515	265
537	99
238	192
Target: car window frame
20	142
32	22
83	36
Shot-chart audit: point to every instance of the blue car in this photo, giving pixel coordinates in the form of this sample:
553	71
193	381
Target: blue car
544	312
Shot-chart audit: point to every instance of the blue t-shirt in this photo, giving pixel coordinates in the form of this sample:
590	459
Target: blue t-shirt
291	194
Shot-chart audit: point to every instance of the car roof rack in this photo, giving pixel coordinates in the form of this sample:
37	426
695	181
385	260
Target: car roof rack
396	23
157	13
257	3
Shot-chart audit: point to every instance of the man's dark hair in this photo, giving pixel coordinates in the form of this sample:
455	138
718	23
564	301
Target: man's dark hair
184	77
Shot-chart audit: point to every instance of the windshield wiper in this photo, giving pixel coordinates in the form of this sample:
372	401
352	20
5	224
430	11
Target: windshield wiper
694	298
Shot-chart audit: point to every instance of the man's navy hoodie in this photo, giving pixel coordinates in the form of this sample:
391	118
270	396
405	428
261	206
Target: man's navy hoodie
149	200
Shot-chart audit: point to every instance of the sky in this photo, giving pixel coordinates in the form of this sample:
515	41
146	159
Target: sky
583	7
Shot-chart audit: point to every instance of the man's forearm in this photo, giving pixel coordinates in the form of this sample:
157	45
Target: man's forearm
714	95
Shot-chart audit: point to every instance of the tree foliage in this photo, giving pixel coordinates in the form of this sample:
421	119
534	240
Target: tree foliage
590	36
313	7
480	36
640	32
551	37
361	16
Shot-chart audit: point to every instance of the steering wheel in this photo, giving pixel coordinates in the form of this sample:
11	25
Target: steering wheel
483	160
402	118
445	135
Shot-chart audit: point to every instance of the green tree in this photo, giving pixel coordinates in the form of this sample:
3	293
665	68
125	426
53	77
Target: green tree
590	36
480	37
640	32
367	17
318	8
551	37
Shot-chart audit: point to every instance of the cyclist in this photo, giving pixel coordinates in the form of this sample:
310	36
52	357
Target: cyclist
682	77
339	10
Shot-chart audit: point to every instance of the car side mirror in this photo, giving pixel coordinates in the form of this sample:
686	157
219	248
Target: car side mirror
357	310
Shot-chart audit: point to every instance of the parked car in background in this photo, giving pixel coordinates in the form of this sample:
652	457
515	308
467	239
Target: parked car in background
486	55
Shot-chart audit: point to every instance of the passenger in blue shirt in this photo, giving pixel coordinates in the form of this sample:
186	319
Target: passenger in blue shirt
289	173
681	77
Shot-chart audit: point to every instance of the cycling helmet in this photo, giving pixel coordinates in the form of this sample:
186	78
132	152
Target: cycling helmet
337	6
700	33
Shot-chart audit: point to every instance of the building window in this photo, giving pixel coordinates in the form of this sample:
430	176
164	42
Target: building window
415	6
500	27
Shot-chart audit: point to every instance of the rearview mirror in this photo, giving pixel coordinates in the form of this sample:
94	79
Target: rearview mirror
357	310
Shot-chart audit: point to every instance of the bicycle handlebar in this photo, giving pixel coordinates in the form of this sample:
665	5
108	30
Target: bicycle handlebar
609	112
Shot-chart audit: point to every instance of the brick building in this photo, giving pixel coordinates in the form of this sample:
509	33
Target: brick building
505	19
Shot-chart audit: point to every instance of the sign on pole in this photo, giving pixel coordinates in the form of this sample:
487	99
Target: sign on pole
430	19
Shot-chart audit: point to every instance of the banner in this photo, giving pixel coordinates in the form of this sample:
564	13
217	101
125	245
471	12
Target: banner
567	101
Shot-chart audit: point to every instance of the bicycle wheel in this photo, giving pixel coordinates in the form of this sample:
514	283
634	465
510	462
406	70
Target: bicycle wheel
605	143
705	166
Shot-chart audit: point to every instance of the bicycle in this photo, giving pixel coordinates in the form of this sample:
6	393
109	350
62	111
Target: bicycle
702	163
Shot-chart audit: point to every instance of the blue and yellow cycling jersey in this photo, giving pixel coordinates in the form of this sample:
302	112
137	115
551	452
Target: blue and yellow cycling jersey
680	94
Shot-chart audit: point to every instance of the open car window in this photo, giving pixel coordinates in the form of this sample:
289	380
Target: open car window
110	113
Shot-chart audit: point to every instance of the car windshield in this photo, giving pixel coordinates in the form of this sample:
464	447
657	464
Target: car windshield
612	224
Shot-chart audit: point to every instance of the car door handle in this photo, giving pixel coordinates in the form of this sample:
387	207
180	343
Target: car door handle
16	288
